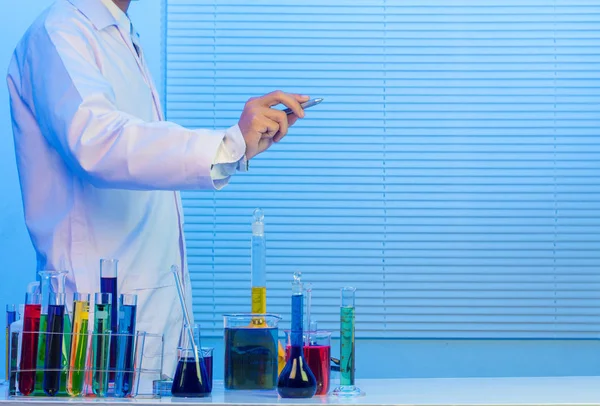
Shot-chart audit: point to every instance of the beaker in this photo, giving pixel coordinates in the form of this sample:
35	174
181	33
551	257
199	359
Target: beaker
191	376
250	352
318	356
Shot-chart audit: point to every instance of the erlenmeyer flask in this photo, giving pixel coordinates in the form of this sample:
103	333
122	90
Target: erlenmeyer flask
51	282
191	377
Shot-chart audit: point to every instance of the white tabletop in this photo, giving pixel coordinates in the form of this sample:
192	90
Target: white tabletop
415	392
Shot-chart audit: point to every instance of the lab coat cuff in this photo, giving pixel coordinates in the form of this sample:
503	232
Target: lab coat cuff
236	143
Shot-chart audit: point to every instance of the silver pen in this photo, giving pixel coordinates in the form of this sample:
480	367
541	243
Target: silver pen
305	105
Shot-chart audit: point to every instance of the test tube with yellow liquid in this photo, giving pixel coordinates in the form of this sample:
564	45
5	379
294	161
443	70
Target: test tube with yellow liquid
79	344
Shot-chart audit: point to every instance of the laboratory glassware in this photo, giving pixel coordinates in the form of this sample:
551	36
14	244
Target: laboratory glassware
297	380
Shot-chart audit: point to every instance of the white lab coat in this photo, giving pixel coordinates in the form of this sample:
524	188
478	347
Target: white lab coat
99	169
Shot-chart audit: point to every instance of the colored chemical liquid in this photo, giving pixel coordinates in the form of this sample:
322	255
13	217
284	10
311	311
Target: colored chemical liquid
297	380
125	351
259	304
66	350
208	363
347	346
250	358
318	358
76	377
186	382
109	285
41	355
101	349
54	342
29	346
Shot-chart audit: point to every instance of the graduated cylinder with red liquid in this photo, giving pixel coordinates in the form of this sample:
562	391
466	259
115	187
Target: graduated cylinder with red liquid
317	352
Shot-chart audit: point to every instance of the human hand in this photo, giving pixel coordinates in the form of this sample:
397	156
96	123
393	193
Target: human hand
262	126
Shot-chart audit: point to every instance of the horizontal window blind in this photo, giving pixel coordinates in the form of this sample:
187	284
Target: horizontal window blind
451	174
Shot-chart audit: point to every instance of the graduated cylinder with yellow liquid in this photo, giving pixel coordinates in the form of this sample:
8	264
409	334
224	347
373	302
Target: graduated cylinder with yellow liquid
258	264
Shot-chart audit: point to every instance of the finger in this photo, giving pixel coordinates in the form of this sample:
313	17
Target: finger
279	97
281	118
264	144
292	118
300	97
267	127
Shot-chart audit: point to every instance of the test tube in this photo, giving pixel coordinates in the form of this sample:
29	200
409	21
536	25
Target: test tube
16	335
29	345
347	355
76	377
54	342
11	317
125	345
108	284
101	343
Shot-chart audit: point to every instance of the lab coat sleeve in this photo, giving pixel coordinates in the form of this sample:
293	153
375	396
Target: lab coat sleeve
230	157
75	106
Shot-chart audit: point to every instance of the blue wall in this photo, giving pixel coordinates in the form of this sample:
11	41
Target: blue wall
375	358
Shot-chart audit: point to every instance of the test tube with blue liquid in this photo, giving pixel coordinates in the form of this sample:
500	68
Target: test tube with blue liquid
125	345
108	284
54	342
347	348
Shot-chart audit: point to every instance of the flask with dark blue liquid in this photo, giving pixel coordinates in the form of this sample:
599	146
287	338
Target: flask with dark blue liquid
191	376
297	380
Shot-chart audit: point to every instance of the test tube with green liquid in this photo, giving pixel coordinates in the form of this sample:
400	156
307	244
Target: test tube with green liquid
101	344
81	311
347	348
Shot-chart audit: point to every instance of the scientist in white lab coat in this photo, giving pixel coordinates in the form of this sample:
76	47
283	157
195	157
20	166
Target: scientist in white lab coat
100	169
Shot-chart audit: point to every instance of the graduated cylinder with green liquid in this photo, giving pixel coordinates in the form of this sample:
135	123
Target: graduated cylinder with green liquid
347	345
76	375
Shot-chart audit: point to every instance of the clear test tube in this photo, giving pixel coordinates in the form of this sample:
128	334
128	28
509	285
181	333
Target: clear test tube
347	344
11	317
